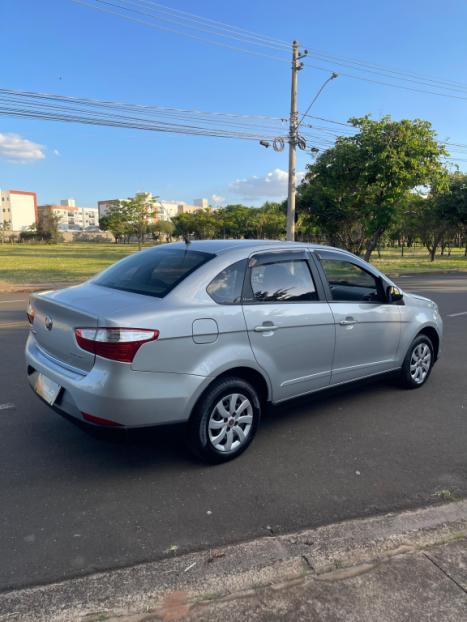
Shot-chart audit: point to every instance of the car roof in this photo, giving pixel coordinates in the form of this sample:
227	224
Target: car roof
223	246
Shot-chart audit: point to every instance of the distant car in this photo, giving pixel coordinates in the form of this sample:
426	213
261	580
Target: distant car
209	332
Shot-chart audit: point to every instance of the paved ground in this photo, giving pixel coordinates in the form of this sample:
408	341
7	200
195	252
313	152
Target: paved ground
72	503
395	567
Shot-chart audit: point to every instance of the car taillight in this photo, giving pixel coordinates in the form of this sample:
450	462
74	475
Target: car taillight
117	344
30	313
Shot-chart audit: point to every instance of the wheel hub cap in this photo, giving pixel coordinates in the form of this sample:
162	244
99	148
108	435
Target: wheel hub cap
420	363
230	422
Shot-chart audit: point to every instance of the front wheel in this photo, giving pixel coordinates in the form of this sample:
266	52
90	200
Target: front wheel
225	420
417	363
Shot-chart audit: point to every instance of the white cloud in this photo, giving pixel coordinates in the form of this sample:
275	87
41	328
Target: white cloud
20	150
217	198
56	152
272	186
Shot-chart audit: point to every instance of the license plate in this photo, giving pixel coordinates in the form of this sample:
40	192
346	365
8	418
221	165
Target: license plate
47	389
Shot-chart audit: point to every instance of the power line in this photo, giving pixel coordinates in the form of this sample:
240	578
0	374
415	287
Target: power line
158	26
148	8
28	104
396	75
152	118
208	23
383	83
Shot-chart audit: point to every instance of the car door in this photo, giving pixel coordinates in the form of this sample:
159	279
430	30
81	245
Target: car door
367	325
289	322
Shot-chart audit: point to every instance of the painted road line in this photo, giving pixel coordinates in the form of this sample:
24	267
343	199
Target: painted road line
7	406
4	302
457	314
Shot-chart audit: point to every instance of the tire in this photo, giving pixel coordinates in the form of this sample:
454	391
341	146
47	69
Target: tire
418	363
227	414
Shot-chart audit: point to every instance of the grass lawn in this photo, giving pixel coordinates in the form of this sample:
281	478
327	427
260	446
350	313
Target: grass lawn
22	264
57	263
416	260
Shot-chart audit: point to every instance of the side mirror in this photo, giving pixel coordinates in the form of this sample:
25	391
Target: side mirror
394	294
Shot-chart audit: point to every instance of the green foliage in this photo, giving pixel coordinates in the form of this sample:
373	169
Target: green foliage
162	230
354	189
5	231
446	212
129	217
233	221
138	213
115	221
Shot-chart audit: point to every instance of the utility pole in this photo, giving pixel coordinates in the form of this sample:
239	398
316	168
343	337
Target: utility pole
294	139
293	136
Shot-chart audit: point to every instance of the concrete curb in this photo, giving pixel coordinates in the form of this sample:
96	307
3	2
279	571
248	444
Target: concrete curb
329	553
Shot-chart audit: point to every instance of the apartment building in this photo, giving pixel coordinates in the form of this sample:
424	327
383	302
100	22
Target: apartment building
202	203
18	210
73	218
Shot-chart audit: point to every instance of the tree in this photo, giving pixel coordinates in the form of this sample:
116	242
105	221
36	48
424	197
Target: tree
5	230
270	220
138	211
115	221
353	189
183	225
47	226
447	211
162	228
130	216
234	221
453	203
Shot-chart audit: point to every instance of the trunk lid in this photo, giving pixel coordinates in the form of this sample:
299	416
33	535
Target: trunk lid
87	306
54	329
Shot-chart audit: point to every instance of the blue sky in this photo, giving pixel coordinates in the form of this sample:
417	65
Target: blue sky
61	47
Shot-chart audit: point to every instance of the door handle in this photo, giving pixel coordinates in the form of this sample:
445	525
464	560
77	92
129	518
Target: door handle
348	321
264	328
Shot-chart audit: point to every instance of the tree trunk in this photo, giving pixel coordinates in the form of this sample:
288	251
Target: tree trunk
372	245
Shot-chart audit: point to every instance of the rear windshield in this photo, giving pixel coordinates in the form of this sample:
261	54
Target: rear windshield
152	273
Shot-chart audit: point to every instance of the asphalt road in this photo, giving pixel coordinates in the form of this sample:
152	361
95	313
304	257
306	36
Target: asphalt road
72	502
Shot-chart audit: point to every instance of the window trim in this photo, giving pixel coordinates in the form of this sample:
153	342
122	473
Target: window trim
267	257
337	256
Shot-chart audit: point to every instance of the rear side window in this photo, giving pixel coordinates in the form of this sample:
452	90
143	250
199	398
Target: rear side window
350	283
284	281
153	273
226	287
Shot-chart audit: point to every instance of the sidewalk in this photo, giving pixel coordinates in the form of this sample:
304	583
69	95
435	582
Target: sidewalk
410	566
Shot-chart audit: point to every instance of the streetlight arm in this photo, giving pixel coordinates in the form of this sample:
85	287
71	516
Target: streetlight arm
333	76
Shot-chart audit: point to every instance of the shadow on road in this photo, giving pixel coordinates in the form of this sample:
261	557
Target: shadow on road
165	445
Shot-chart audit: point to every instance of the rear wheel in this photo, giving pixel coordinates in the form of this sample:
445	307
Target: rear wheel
417	363
225	420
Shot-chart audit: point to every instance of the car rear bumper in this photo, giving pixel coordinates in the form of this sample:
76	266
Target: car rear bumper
114	392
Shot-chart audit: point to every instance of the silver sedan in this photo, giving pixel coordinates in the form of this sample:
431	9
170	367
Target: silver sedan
209	332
